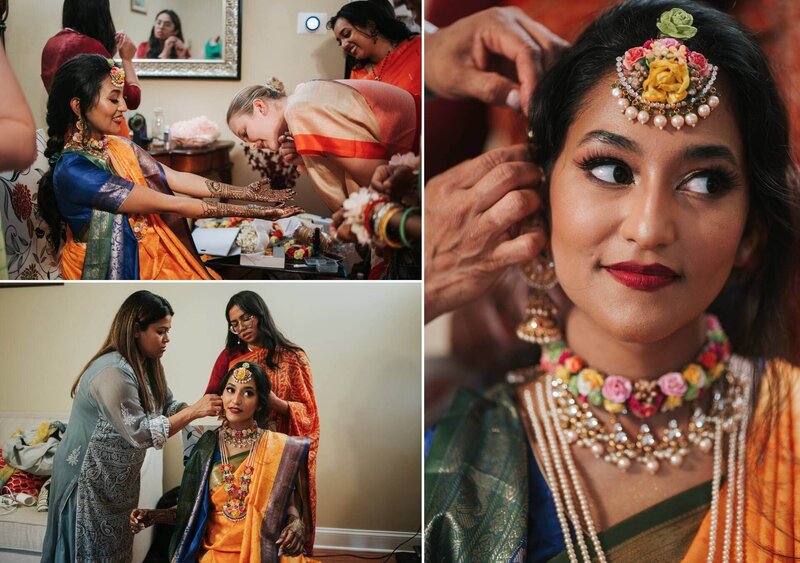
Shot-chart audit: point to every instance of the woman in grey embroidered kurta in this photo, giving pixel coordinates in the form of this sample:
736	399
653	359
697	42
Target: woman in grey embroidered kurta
96	468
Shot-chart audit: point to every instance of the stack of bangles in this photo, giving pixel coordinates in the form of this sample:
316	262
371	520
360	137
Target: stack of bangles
377	215
370	215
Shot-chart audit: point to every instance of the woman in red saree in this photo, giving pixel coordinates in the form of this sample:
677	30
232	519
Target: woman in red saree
378	46
254	337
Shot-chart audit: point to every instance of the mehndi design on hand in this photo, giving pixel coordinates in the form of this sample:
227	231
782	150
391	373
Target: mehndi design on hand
218	209
259	190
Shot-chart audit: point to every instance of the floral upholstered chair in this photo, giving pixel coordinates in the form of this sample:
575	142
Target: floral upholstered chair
28	255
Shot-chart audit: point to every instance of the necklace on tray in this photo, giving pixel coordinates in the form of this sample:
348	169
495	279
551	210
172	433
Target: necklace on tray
562	417
235	508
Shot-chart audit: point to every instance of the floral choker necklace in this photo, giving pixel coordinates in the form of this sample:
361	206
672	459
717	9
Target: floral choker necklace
240	438
642	398
97	148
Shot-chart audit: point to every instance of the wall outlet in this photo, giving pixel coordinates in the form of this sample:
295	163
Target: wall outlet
311	22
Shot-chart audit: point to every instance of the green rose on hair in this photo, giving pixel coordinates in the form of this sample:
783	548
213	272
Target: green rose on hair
677	24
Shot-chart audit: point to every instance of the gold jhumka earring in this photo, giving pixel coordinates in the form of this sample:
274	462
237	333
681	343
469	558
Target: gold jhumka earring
540	326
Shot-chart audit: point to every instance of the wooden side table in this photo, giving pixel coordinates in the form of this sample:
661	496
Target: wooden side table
204	161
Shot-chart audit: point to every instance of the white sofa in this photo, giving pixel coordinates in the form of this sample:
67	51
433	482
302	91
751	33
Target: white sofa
22	531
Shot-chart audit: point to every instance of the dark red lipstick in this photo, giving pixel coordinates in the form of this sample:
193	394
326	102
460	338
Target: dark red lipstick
644	277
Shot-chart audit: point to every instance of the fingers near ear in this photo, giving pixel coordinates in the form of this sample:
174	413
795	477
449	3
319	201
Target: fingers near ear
504	179
523	248
513	207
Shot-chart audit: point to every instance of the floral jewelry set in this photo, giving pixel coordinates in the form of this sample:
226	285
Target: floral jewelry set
662	82
368	213
235	508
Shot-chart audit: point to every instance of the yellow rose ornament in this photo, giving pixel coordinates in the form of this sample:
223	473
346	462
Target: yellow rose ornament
662	81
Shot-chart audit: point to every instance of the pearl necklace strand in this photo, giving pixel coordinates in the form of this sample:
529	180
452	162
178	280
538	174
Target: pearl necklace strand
554	447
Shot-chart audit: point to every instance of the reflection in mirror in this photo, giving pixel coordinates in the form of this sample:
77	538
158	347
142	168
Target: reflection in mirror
182	38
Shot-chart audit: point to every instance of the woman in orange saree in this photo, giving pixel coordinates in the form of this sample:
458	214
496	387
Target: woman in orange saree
254	337
122	219
244	492
644	432
378	46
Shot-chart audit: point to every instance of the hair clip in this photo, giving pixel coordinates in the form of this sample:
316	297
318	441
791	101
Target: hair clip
242	374
117	76
664	80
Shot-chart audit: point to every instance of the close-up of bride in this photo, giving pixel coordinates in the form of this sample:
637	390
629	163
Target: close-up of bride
660	421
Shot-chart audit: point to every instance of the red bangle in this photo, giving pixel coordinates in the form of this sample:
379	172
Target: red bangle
368	213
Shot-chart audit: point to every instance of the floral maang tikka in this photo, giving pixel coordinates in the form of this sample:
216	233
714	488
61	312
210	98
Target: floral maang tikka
664	82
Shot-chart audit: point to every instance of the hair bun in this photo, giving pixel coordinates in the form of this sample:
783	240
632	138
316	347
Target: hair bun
275	84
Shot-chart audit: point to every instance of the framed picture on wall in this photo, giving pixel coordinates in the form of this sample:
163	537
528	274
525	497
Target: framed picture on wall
139	6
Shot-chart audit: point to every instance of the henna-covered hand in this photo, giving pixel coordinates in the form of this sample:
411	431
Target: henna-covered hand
292	538
260	191
218	209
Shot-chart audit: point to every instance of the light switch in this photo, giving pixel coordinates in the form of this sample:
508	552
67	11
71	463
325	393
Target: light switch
311	22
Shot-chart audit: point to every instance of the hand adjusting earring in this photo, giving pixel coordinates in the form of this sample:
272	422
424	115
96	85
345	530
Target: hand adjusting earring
540	326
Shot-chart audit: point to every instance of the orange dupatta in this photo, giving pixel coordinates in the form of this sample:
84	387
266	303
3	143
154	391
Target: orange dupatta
772	514
292	382
402	67
227	541
161	255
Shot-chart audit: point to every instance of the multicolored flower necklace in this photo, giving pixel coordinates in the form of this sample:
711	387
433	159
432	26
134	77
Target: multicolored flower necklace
97	148
235	508
240	438
642	398
664	80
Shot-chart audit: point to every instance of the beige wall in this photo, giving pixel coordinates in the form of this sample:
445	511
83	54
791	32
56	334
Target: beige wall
363	341
270	47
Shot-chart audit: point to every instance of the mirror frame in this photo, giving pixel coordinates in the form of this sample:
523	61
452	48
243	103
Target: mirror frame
229	68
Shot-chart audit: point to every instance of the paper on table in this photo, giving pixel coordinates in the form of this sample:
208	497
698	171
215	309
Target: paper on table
216	242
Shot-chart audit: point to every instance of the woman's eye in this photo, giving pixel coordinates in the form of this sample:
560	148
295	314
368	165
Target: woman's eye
704	184
612	173
114	100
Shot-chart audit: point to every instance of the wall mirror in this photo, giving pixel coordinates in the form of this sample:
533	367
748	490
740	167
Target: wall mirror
210	46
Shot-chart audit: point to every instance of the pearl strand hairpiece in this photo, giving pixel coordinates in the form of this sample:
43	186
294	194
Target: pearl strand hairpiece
664	80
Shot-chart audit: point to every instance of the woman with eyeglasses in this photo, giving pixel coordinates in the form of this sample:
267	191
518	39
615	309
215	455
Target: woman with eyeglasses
254	337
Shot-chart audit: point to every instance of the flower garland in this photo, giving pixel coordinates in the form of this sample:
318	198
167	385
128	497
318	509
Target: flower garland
642	398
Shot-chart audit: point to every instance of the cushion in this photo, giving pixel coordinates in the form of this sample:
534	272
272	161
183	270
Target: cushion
28	255
21	481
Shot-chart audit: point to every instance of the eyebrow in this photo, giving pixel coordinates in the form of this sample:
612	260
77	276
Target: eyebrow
709	152
692	152
612	139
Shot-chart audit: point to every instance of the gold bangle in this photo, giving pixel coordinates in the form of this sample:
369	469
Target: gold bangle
383	228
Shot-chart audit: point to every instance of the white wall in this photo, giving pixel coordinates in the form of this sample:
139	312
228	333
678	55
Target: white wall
363	341
270	47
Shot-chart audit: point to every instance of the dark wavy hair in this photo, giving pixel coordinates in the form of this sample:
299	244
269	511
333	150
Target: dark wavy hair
138	311
92	18
80	77
270	337
375	18
154	45
758	306
263	388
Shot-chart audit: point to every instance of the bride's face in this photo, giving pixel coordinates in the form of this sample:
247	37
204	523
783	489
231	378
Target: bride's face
646	224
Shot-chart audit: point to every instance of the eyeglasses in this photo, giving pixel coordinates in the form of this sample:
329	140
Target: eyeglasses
236	326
